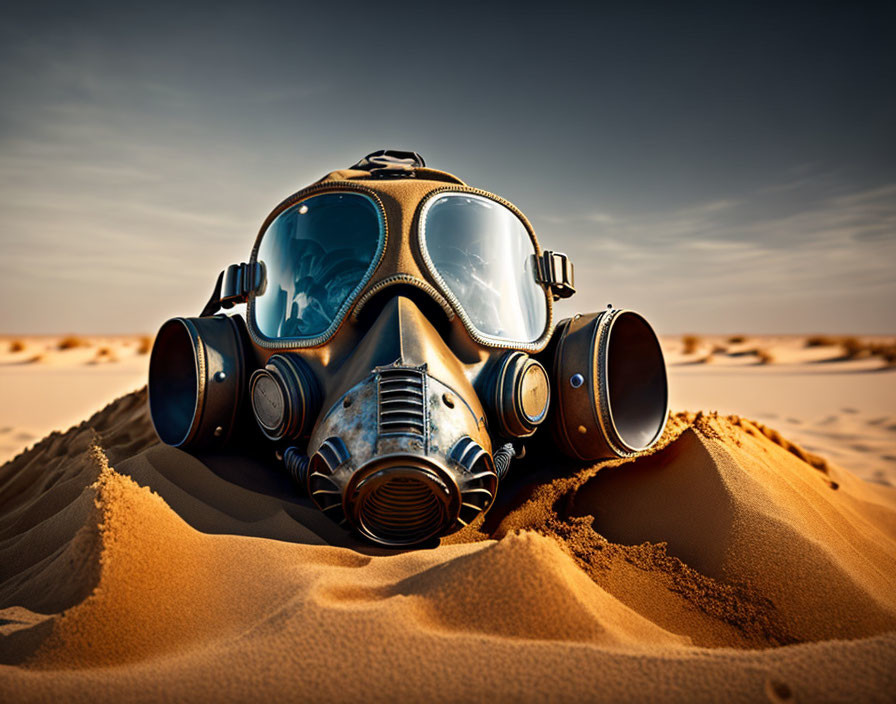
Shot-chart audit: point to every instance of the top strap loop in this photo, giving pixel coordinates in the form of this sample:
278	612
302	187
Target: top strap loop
391	163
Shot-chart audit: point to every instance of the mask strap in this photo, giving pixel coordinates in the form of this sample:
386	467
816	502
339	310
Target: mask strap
234	285
214	303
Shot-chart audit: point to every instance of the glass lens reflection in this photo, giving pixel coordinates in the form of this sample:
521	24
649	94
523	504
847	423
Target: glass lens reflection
317	255
485	256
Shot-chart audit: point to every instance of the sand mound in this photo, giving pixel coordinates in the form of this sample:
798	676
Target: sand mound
722	566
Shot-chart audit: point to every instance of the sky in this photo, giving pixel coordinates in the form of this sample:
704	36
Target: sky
718	167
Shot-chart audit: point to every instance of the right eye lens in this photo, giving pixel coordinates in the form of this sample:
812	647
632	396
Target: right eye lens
483	254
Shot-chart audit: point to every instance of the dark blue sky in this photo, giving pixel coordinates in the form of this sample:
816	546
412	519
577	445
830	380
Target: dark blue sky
718	167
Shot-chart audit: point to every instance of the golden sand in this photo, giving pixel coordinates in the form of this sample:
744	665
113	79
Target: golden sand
726	565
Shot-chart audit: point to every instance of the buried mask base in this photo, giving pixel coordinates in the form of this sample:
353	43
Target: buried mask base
399	348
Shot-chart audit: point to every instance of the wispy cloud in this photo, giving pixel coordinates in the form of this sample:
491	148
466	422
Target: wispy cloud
122	195
140	148
728	264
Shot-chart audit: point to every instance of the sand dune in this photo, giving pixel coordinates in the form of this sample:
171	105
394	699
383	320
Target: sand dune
728	564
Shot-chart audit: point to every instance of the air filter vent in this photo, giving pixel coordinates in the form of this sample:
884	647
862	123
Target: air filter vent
479	483
324	491
402	407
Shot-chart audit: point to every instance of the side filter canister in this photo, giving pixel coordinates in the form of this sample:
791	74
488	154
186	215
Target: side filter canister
197	380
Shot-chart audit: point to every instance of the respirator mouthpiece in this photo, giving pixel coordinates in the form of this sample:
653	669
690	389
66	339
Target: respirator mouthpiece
399	463
403	502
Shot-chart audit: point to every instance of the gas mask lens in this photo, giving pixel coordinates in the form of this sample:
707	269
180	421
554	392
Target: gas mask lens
484	257
317	254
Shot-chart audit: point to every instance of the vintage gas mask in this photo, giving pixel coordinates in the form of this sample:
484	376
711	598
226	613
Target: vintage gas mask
399	348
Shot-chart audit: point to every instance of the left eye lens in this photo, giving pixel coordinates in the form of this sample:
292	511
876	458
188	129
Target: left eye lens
318	254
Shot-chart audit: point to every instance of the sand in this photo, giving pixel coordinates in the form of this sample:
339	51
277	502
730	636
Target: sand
44	388
728	564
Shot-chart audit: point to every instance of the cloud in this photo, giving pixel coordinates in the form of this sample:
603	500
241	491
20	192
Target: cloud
140	149
711	265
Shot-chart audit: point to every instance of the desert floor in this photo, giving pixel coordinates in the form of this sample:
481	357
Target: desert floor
725	564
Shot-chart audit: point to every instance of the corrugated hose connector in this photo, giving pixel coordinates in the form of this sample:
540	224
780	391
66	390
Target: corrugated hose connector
503	458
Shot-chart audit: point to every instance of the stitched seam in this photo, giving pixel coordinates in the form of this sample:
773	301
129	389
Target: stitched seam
396	279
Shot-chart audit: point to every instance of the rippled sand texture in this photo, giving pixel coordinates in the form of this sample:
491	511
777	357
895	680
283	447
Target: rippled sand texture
727	565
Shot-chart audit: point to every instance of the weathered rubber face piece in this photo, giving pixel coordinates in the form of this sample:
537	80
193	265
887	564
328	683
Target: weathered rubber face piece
399	350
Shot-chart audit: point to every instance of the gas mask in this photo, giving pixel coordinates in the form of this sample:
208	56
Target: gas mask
399	349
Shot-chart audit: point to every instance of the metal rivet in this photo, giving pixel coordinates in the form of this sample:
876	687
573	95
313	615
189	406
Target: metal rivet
448	400
220	376
582	429
576	380
219	431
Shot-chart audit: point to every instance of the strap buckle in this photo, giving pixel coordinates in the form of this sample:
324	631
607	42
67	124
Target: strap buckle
234	285
555	270
239	281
